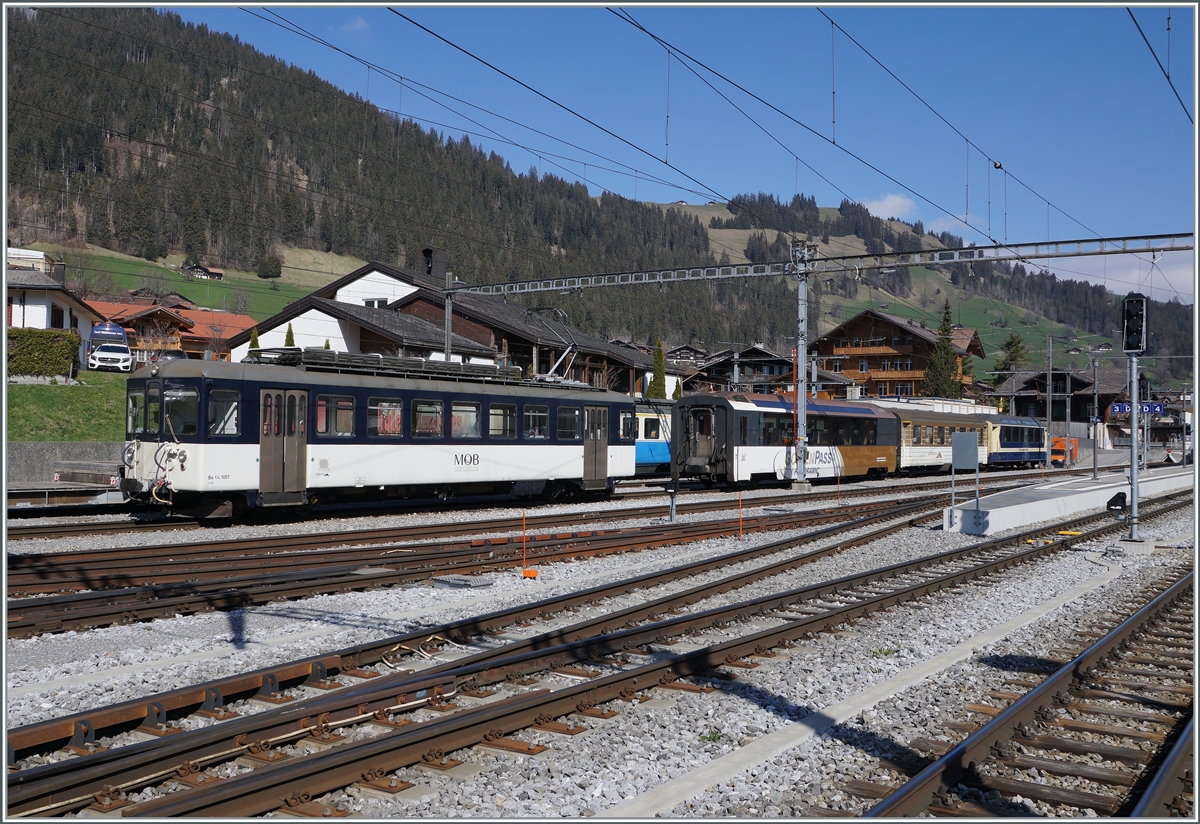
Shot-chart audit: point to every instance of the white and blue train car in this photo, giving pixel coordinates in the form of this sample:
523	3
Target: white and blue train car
1014	441
653	438
301	428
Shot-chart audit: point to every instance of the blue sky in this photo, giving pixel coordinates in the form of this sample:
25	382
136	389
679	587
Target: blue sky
1069	100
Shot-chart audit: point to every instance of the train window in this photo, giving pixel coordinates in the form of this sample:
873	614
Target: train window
223	412
628	425
870	428
916	435
427	419
568	423
941	433
743	426
502	420
537	422
135	414
464	419
385	417
291	416
335	415
856	431
650	429
277	417
818	432
182	407
837	431
153	409
269	404
929	434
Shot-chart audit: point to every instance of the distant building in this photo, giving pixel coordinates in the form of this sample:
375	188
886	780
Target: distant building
887	354
37	296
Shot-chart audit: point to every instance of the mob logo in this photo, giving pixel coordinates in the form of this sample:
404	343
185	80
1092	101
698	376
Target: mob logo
466	460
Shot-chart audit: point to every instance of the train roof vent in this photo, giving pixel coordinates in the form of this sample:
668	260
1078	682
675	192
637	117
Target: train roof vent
741	399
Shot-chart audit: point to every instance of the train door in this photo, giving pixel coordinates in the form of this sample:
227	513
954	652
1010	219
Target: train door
283	445
700	432
595	447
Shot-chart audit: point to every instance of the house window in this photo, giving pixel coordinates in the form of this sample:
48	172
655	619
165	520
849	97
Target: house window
885	365
376	303
56	317
836	368
858	341
862	364
904	389
908	365
883	388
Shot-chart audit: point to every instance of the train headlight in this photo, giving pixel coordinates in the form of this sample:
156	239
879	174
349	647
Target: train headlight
182	456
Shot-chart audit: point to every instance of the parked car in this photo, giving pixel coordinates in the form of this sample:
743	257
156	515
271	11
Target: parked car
168	354
115	356
103	333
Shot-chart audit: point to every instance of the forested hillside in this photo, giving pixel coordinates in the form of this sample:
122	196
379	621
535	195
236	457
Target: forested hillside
132	131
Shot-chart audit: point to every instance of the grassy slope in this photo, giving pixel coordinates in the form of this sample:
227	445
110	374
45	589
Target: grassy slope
93	410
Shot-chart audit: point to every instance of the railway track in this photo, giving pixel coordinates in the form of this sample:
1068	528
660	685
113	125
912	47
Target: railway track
383	700
1131	688
18	532
194	584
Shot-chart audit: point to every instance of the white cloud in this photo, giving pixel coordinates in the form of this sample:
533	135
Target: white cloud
356	26
896	206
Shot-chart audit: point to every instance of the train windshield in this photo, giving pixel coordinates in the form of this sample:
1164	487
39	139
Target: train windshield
135	414
181	407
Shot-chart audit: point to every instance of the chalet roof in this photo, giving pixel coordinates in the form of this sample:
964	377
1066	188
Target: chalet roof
1109	381
193	323
404	329
965	340
18	277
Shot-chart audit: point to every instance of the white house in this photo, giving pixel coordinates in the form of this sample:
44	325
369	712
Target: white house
38	299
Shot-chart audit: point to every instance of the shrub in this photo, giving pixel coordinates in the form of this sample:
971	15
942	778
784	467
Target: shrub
42	352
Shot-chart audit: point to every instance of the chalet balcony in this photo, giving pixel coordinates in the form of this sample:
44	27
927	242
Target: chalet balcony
872	350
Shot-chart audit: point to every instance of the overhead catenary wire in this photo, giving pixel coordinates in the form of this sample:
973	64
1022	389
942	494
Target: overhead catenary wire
1159	62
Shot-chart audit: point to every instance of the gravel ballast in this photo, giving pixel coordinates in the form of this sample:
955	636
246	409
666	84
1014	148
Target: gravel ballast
650	743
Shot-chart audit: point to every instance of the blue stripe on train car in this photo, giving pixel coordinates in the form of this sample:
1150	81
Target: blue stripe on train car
652	452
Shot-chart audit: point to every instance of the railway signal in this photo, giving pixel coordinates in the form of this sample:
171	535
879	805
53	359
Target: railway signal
1134	312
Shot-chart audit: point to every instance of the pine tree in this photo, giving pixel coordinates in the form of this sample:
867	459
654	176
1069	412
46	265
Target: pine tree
1014	354
941	378
678	393
254	338
658	384
290	340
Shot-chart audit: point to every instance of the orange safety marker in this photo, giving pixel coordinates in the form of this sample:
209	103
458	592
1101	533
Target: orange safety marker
525	571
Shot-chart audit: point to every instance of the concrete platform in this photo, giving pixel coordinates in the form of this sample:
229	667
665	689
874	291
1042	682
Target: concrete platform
42	494
1058	499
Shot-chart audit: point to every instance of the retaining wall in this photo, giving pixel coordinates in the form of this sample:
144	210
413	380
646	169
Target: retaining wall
29	461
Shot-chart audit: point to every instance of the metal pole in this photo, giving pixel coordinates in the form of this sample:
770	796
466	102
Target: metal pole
1049	387
1133	449
802	253
449	313
1096	422
1068	460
